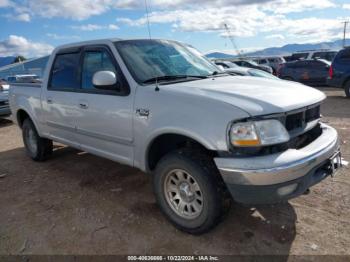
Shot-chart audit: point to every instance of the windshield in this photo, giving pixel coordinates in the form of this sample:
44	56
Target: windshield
231	65
259	73
147	59
252	62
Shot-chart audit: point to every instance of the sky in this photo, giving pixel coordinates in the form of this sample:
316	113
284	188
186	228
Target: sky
34	27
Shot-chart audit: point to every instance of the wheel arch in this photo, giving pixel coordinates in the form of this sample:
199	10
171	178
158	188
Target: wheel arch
164	143
22	115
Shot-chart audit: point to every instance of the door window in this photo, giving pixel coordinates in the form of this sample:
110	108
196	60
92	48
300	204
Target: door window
64	72
95	61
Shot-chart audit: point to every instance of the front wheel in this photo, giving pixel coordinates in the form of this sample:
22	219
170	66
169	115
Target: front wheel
188	190
37	148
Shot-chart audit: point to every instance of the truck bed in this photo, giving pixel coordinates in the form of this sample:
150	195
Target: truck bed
27	97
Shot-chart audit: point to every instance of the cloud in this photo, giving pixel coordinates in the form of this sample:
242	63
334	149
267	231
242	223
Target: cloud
95	27
256	19
293	6
5	3
113	27
24	17
18	45
80	10
62	37
346	6
275	36
73	9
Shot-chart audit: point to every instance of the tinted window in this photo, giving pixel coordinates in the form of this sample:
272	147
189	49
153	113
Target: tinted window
324	55
299	56
317	64
344	55
301	64
64	72
95	61
11	79
223	65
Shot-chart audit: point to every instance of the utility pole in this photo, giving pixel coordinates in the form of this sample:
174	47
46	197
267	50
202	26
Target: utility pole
232	41
344	37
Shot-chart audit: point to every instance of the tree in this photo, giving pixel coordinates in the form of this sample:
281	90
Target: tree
19	58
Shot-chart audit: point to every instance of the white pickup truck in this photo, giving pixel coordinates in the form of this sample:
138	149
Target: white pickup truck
159	106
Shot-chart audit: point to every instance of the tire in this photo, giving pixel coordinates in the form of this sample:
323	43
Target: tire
199	169
347	89
37	148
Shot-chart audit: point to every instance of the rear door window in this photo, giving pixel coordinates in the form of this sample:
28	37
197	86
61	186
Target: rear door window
64	73
344	55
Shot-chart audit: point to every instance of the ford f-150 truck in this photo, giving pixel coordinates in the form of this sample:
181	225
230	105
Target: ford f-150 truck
159	106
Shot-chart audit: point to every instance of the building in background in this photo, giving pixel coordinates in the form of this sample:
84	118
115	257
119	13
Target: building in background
34	66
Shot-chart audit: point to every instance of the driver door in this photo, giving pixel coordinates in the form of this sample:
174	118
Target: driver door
104	122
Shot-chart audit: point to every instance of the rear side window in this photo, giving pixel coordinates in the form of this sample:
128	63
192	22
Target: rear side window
64	73
317	64
299	56
344	55
324	55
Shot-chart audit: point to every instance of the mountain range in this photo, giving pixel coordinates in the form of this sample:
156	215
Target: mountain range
6	60
285	50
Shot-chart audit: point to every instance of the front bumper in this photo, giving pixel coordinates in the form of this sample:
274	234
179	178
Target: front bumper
257	180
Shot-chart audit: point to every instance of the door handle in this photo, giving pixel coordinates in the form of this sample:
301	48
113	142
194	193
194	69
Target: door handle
49	100
83	105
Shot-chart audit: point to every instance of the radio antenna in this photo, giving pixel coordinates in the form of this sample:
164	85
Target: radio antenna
148	24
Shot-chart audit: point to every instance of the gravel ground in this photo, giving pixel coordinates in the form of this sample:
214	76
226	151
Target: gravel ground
77	203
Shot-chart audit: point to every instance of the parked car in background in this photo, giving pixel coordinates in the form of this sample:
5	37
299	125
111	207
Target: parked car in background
4	85
158	106
288	58
23	79
234	69
310	72
314	54
246	71
252	64
225	64
272	61
339	72
4	100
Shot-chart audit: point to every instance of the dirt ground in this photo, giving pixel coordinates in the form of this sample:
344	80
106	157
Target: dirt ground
77	203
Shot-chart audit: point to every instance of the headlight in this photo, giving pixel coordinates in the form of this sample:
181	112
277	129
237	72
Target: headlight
258	133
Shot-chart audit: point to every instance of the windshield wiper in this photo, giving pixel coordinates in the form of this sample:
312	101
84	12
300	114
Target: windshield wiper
171	77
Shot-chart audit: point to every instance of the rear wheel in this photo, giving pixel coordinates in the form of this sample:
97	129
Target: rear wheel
189	191
37	148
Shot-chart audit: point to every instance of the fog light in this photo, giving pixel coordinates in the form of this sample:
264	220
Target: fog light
286	190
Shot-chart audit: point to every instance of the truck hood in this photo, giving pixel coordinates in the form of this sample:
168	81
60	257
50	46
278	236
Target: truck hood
254	95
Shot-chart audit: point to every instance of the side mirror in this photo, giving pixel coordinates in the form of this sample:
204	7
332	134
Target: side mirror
105	80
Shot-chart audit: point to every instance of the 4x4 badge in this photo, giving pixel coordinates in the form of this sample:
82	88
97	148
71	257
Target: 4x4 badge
142	113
